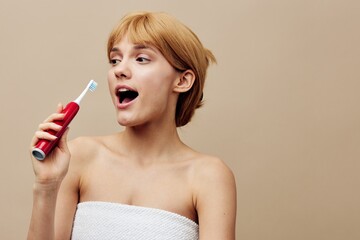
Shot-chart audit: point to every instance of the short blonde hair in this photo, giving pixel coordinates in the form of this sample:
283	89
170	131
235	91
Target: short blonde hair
178	44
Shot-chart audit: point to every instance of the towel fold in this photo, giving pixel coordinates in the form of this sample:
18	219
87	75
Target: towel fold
105	221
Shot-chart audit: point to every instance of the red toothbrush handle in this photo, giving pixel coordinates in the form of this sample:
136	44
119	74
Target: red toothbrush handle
44	147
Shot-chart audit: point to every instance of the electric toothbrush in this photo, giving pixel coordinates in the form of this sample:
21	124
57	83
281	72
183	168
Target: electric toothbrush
44	147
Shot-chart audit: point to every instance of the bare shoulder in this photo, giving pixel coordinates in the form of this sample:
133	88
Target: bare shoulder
83	151
215	198
86	149
83	146
212	176
209	168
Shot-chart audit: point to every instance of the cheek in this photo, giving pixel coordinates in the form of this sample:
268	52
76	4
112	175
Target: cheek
110	75
111	78
111	82
158	78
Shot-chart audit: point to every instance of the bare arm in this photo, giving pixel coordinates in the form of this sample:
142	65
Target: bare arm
49	175
43	212
216	201
54	209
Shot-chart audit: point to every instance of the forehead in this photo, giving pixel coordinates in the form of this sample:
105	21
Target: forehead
137	34
125	44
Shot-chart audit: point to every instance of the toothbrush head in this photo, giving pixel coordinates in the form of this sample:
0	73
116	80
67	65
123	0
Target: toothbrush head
92	85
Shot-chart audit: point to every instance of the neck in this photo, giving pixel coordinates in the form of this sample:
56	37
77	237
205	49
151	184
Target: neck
149	144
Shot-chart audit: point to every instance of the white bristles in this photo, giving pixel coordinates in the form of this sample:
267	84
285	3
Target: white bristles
91	86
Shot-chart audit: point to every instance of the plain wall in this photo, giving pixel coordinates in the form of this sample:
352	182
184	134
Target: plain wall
282	104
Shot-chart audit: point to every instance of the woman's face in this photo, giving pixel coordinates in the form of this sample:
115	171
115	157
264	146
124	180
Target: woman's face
141	83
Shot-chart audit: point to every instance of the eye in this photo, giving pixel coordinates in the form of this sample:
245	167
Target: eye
142	59
114	61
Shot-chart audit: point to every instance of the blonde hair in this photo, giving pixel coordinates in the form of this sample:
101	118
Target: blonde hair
178	44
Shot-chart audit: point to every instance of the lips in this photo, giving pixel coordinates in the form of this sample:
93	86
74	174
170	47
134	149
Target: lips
126	95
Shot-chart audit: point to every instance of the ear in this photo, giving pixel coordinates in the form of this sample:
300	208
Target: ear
184	82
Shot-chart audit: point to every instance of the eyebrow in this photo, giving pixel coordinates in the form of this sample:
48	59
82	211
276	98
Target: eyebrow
141	46
136	47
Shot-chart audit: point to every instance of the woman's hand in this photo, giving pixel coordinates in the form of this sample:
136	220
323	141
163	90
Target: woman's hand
51	170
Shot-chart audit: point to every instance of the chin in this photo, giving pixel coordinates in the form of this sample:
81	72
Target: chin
124	123
127	122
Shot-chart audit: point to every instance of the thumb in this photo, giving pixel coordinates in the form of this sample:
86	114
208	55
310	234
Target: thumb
63	141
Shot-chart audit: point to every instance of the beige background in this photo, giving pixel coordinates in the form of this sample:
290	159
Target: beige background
282	106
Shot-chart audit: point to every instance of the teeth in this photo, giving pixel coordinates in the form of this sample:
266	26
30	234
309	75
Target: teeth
123	90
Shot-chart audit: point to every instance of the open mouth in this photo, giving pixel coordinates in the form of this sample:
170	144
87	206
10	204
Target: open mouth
126	95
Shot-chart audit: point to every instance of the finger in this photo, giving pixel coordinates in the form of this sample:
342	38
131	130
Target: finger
33	141
59	108
49	126
54	117
42	135
63	141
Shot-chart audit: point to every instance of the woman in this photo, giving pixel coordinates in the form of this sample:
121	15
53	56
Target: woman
144	182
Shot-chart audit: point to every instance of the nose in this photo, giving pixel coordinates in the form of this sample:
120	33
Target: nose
122	70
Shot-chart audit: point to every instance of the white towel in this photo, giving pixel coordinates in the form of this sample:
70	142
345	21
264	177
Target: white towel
105	221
